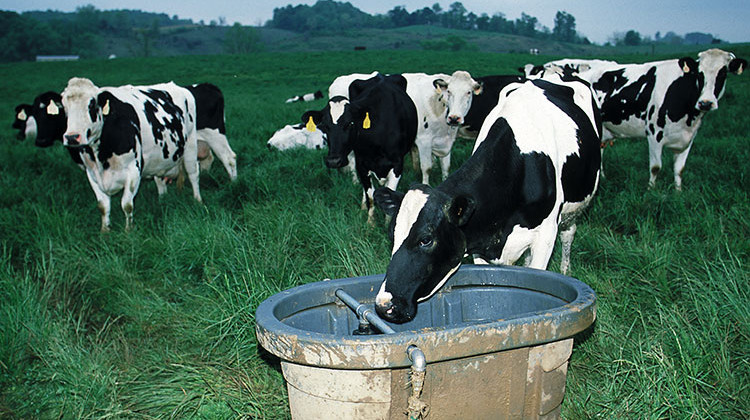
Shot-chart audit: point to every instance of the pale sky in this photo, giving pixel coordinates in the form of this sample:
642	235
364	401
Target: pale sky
596	19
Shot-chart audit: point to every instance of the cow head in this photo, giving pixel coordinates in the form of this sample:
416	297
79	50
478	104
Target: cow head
428	245
458	93
337	121
50	118
86	108
712	68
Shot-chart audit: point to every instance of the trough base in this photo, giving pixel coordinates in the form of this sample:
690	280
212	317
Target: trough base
526	383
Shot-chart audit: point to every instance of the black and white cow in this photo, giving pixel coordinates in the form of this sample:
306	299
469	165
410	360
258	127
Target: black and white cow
43	122
435	137
469	100
298	135
665	101
306	97
534	168
211	128
378	123
127	133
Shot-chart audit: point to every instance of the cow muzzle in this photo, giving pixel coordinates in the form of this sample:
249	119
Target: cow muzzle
454	120
72	140
335	162
706	105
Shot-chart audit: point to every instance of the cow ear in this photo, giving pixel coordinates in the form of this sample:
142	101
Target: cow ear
688	64
460	209
478	88
440	85
388	200
102	101
316	117
737	65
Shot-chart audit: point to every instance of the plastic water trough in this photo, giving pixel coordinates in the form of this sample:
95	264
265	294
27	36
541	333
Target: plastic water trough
493	343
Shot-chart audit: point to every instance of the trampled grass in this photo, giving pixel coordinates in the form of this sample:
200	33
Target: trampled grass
159	322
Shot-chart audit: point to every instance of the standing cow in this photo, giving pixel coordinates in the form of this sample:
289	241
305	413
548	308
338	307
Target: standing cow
377	123
665	101
45	123
534	168
127	133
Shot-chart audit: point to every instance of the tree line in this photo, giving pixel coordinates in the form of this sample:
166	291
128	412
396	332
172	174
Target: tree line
328	15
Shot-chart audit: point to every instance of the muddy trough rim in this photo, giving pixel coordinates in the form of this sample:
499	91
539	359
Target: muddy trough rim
438	343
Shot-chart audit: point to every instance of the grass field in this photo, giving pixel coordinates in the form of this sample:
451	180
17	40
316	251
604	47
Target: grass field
158	322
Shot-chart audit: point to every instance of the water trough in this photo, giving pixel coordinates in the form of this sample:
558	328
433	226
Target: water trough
495	343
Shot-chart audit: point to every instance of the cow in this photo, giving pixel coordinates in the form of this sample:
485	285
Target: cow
210	128
664	101
435	137
533	170
306	97
575	65
377	122
45	121
127	133
298	135
468	101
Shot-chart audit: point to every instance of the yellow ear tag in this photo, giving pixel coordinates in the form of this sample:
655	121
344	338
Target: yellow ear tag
366	122
105	108
310	126
52	109
686	68
21	115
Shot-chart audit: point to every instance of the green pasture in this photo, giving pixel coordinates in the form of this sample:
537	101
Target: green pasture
159	322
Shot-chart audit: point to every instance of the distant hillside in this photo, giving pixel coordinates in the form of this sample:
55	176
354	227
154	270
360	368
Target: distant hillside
92	33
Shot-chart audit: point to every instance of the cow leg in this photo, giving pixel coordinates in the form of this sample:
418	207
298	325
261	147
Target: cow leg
445	165
126	203
654	159
219	145
352	167
680	157
190	162
103	203
425	160
415	158
541	248
566	240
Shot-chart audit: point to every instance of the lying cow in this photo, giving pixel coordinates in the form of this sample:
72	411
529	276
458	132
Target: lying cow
299	135
534	168
127	133
306	97
665	101
377	122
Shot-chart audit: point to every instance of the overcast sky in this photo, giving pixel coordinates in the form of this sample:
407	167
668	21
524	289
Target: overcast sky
596	19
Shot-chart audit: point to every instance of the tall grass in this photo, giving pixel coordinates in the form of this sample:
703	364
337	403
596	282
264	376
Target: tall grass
159	322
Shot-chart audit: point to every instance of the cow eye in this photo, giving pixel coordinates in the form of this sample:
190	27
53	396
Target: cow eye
425	242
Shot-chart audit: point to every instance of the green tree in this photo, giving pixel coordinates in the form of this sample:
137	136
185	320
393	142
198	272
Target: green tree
565	27
632	38
242	40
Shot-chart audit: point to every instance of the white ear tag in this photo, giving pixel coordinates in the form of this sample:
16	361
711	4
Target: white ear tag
22	115
52	109
105	108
